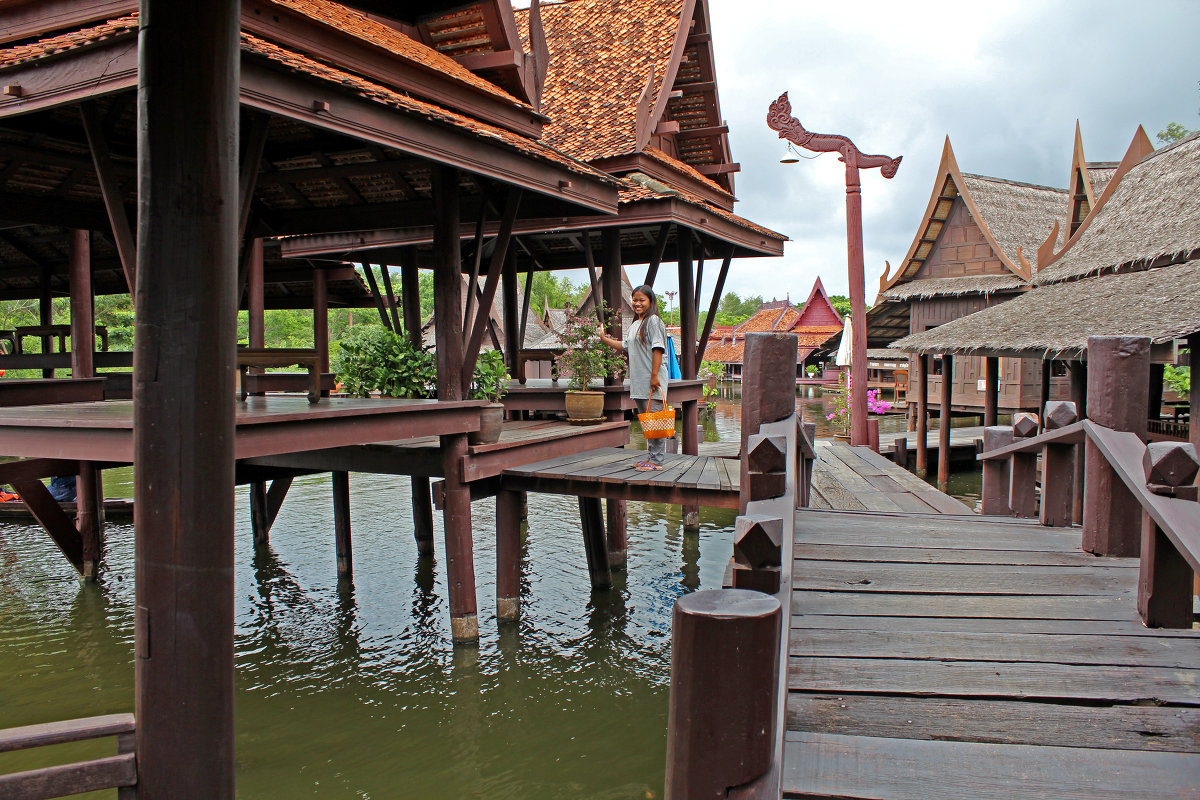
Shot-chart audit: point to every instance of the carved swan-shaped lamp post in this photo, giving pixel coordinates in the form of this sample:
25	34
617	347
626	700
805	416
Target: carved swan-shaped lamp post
779	118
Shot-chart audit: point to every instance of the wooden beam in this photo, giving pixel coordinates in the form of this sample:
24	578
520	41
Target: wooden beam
499	254
256	143
370	275
713	305
110	191
709	170
49	514
660	247
390	296
708	131
476	263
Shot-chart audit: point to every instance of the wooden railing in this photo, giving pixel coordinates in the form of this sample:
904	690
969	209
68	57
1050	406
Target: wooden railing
1157	476
729	646
113	772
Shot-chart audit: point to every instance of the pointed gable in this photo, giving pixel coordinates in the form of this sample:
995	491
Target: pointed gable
818	311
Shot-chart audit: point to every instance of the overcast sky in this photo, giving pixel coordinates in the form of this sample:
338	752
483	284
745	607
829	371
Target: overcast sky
1005	80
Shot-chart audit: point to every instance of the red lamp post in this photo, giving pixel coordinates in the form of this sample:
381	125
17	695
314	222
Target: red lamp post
779	118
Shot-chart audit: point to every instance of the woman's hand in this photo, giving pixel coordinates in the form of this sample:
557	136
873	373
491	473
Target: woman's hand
655	384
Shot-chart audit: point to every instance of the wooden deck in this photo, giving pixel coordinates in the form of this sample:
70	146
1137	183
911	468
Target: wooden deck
950	657
961	439
609	473
859	479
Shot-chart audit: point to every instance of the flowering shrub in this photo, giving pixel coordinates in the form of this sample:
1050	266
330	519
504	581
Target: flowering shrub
585	358
842	402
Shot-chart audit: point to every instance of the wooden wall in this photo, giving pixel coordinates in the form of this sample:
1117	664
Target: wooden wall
960	250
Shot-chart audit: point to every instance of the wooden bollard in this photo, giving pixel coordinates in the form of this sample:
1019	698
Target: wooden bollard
757	553
766	463
873	433
1117	396
1058	468
721	721
768	390
1022	495
1165	577
508	556
900	452
997	474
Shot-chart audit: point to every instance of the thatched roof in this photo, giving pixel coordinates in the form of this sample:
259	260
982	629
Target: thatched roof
1018	215
1153	214
952	287
1100	173
1056	320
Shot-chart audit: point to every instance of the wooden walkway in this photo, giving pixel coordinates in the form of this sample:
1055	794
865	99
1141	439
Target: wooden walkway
859	479
947	657
961	439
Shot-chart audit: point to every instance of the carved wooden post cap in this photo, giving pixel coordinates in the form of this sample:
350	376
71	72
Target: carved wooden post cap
996	436
766	453
758	541
1024	424
1060	414
1170	463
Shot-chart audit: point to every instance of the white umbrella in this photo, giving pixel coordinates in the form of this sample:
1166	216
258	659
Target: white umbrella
843	354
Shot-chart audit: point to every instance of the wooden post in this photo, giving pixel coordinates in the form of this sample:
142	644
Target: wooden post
512	313
721	718
1154	407
422	500
1044	396
321	318
422	511
687	361
592	516
456	508
768	391
255	301
45	314
89	492
1194	423
1058	467
900	452
508	555
260	528
1078	370
873	433
1117	394
1022	496
997	474
991	390
945	414
1165	577
610	281
189	61
341	522
922	415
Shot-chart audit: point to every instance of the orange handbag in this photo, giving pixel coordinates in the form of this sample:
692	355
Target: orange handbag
658	424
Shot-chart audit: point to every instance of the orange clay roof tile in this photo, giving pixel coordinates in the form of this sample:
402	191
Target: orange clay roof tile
73	40
686	169
399	44
602	52
635	192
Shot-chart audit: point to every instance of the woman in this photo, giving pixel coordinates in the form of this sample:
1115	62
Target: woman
646	344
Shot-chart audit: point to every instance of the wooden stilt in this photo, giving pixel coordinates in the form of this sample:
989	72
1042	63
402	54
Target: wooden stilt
341	523
591	514
260	528
610	281
508	556
88	491
617	524
945	414
688	365
991	390
922	415
456	510
321	318
189	59
1117	394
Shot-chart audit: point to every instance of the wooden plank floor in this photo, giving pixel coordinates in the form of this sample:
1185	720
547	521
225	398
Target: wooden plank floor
960	439
859	479
965	657
609	472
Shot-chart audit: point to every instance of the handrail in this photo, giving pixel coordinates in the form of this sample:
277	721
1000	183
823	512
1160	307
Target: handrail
1178	519
111	772
1069	434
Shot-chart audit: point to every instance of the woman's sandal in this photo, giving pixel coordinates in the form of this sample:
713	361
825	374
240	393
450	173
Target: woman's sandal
646	466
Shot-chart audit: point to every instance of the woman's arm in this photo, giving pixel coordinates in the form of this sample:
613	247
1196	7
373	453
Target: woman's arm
656	360
615	344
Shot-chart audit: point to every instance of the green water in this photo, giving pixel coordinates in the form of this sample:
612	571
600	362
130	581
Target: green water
355	691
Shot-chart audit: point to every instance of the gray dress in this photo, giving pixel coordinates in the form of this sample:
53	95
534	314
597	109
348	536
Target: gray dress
641	355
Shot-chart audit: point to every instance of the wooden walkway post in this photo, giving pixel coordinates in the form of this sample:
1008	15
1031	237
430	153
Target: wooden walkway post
1022	497
991	390
610	280
997	473
1117	393
591	514
945	414
1165	580
768	390
721	720
422	499
256	326
340	481
89	492
922	415
189	60
508	556
448	309
688	366
1058	468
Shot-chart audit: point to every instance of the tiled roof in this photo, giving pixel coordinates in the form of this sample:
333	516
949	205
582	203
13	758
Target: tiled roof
633	192
395	42
815	335
66	42
601	54
686	169
768	319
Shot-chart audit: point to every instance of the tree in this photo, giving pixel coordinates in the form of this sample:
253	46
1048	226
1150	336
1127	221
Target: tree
1172	133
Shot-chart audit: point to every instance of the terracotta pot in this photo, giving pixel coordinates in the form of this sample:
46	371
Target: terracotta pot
491	420
585	406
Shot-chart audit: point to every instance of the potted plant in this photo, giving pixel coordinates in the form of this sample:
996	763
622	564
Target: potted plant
489	382
585	359
373	359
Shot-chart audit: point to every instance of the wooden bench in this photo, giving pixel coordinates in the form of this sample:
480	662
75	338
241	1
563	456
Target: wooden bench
266	357
59	332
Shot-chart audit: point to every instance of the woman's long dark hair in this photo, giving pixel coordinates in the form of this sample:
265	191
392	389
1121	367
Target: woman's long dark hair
652	311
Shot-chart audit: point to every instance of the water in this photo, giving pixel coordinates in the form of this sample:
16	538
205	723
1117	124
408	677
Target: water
356	691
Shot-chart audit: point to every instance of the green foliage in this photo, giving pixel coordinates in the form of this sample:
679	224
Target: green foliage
373	359
811	370
554	290
585	358
1172	133
710	369
490	379
1179	379
733	309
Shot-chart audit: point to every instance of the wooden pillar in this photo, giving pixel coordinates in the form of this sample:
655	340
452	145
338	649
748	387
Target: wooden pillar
508	556
255	300
422	510
721	719
321	318
610	281
922	415
46	314
189	63
341	522
991	390
1044	396
945	414
592	516
1078	371
260	527
1117	394
456	509
512	313
422	500
89	492
996	473
1058	468
1154	407
688	366
1194	417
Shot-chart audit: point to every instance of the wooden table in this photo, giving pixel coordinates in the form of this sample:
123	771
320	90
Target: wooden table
265	357
60	332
